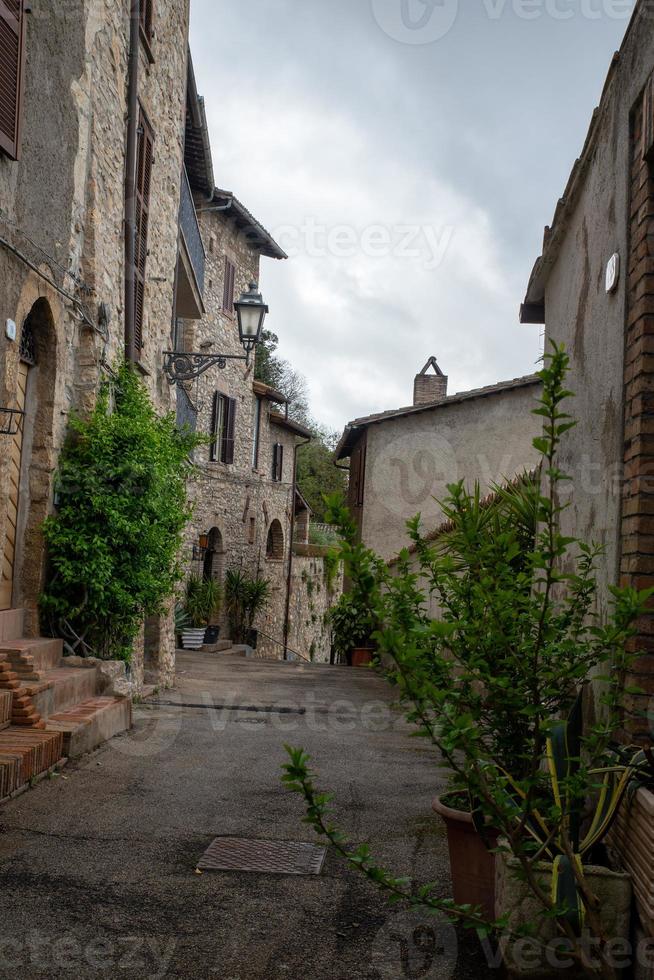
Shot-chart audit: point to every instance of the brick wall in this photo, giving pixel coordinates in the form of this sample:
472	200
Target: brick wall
637	563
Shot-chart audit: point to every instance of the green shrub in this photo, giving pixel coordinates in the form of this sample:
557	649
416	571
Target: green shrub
245	597
113	544
202	601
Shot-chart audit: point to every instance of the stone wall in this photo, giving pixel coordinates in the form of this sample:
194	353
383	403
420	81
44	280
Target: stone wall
313	595
64	205
239	501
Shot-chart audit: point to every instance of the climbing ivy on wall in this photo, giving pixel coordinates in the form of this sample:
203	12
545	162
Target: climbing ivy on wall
113	545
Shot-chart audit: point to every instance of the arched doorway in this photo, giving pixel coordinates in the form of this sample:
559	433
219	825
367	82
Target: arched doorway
214	559
30	456
275	541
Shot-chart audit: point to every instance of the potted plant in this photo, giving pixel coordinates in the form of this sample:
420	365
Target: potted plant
488	682
246	596
351	631
202	601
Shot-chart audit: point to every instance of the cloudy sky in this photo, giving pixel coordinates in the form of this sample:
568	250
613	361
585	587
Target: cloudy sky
406	154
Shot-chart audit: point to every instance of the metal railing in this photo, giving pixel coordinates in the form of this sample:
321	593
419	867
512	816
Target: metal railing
188	222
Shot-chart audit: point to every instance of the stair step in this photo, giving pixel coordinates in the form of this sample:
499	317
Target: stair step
90	723
25	754
11	624
44	654
61	688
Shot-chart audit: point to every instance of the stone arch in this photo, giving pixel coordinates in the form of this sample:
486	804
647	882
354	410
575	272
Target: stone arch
214	560
275	541
38	351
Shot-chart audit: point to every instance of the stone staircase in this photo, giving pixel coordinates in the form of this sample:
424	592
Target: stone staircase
47	710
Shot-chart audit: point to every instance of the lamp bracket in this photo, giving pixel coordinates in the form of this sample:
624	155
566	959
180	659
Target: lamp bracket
181	367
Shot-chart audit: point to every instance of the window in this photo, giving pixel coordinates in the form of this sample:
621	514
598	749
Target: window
252	534
12	64
278	462
228	289
223	425
275	542
143	184
256	434
147	26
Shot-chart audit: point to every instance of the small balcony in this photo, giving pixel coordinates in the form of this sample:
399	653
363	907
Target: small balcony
192	258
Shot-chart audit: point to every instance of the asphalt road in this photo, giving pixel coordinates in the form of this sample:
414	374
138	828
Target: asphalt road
98	866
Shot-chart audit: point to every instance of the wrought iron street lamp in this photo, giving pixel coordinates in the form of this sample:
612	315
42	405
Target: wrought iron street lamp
181	367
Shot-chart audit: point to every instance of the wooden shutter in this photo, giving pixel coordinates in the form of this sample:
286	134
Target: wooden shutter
228	291
278	462
229	431
147	18
12	66
215	410
143	187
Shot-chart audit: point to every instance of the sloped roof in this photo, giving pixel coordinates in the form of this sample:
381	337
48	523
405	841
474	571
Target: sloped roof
257	235
299	430
197	147
266	391
353	429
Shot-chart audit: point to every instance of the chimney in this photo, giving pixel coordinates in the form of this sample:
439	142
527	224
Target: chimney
429	387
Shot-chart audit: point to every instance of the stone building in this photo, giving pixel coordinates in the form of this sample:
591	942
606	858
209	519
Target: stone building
246	501
593	288
98	256
402	461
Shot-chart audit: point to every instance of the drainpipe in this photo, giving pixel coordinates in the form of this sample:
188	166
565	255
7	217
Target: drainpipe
130	179
287	615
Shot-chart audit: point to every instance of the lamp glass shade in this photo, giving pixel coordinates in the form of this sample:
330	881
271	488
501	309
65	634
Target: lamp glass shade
251	313
204	541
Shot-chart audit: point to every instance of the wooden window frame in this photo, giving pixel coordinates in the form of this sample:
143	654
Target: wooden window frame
146	28
223	429
14	26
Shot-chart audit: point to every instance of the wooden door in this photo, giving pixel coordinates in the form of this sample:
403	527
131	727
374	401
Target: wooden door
15	449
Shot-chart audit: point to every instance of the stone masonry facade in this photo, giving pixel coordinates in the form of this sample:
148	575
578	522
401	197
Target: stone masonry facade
62	208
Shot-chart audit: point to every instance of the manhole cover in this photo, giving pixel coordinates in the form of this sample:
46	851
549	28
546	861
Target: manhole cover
268	856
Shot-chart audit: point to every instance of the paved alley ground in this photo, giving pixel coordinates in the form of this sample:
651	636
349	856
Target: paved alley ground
98	866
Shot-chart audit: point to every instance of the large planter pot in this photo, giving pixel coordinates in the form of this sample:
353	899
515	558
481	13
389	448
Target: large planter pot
538	957
632	837
472	864
193	639
362	657
211	635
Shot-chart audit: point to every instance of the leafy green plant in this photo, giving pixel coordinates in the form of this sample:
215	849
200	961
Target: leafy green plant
245	596
352	625
489	681
113	545
202	600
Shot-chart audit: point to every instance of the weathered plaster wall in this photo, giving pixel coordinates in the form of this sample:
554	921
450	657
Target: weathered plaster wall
590	323
411	460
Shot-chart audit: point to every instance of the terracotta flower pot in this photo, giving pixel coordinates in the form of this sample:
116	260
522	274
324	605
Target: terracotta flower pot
471	862
362	657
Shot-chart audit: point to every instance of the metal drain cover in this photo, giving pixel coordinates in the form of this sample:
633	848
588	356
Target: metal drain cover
267	856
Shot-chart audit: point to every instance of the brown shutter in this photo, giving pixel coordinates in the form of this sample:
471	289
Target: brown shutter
214	428
143	185
228	291
229	431
147	18
12	66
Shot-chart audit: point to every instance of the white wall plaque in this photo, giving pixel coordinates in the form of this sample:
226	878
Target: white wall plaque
10	330
613	273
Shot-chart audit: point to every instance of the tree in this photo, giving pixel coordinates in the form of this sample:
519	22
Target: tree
280	374
316	474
